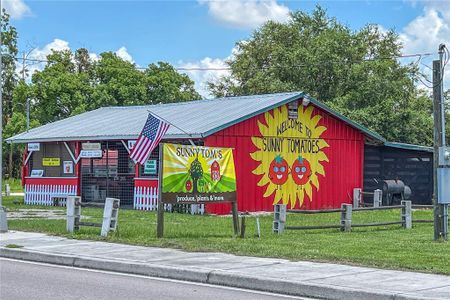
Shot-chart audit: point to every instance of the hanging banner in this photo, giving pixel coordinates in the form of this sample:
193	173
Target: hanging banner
51	162
195	174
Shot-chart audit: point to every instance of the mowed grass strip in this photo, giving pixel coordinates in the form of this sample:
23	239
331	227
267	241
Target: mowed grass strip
387	246
14	184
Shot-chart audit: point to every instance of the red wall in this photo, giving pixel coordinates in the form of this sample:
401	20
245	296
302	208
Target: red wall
343	172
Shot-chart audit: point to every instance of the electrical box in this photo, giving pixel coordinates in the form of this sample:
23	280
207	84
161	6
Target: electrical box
444	156
443	175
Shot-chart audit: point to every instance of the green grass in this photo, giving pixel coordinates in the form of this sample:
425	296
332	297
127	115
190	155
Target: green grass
15	184
386	247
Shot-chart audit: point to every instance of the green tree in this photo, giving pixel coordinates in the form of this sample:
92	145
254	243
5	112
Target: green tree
9	53
196	172
351	71
117	82
59	91
165	84
9	81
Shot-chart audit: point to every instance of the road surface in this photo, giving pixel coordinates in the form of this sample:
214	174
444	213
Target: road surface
28	280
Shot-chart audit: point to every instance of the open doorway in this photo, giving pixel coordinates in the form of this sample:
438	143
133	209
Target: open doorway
112	175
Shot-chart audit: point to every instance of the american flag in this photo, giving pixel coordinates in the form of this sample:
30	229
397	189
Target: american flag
154	130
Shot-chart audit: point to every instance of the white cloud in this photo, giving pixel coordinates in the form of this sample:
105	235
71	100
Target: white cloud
216	68
40	54
424	34
122	52
16	8
246	13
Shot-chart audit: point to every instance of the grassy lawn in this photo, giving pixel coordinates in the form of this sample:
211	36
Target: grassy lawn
387	247
15	184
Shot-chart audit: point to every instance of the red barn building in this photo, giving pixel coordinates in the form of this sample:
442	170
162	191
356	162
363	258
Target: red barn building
288	148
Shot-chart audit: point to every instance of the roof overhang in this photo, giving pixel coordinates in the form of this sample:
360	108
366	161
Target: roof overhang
98	138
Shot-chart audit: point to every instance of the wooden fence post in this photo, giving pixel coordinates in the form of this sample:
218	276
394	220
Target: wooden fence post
406	214
357	195
110	214
279	218
377	198
73	212
7	190
346	217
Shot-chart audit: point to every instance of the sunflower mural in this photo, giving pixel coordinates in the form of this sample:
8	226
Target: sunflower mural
290	155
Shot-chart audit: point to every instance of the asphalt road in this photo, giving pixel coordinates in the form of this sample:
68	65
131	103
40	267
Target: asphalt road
28	280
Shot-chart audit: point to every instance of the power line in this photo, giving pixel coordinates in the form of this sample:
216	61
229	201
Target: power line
187	69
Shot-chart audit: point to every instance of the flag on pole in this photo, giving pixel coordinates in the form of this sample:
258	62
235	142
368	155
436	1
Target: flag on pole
154	130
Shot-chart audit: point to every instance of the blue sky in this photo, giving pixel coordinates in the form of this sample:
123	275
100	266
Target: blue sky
203	33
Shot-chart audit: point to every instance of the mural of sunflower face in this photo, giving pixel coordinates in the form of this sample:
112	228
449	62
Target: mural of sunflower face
290	155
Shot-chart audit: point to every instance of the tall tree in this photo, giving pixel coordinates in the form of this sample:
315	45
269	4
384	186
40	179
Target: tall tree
165	84
354	72
9	81
9	53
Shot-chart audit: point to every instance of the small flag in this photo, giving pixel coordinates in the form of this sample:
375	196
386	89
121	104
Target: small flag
154	130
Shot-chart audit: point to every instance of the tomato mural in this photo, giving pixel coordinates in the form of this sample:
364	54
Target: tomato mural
298	147
188	185
279	170
301	171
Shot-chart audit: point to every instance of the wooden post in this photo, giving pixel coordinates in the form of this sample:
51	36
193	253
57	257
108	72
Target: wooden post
242	226
110	216
437	81
234	211
8	188
357	193
377	197
160	216
73	213
406	214
258	227
346	217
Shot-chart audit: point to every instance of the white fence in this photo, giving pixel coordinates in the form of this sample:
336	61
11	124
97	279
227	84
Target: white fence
43	194
146	198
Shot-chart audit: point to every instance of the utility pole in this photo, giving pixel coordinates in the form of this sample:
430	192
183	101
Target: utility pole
3	221
440	202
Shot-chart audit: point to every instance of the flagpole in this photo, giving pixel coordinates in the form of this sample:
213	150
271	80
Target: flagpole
190	141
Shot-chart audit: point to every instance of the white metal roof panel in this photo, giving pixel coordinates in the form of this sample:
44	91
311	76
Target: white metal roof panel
197	118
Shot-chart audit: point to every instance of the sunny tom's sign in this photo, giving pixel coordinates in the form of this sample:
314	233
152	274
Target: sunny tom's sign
195	174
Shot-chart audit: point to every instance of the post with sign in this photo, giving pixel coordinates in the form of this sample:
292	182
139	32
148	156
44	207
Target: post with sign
196	175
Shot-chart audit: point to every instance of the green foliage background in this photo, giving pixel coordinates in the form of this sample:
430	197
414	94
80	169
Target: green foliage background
352	71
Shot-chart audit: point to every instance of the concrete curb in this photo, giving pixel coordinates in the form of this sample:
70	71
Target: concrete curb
223	278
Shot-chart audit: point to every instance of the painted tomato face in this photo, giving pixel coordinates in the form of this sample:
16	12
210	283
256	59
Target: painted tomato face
188	185
301	170
279	170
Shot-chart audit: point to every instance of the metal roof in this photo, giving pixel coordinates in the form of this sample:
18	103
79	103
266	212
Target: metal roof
198	118
405	146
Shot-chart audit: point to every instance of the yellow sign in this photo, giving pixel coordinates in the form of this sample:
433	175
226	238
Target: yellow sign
195	174
290	154
51	161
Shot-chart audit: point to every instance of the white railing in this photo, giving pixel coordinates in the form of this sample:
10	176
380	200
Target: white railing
43	194
146	198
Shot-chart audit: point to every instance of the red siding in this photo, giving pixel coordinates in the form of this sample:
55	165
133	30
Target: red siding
343	172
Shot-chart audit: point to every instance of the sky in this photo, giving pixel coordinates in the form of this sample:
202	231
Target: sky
202	34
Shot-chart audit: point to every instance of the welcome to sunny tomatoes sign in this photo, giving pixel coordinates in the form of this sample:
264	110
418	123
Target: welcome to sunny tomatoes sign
290	154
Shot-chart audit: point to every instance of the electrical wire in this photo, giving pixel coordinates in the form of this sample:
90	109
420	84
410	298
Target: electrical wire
263	68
